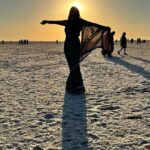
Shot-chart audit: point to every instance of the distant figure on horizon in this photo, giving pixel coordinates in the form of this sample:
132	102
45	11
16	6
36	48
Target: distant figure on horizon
123	42
3	41
139	41
144	41
116	41
132	40
57	42
27	41
21	42
24	42
73	26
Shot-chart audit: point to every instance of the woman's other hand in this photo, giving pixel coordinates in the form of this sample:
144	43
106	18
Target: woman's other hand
108	29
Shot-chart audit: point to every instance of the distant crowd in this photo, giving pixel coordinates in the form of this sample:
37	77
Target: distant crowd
24	42
21	42
138	41
105	52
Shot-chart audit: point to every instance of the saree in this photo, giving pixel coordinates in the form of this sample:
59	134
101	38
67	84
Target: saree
93	38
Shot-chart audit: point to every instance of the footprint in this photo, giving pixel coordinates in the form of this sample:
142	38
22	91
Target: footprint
37	148
134	117
49	116
147	147
143	142
110	108
93	136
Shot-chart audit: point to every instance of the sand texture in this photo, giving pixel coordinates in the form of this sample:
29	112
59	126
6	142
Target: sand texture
35	109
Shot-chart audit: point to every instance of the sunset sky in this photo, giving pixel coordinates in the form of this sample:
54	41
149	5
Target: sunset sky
21	18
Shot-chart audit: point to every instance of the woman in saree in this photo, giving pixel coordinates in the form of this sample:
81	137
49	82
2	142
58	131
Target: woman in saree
73	26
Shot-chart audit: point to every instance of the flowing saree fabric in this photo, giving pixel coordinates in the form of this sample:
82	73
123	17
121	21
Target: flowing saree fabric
92	38
107	42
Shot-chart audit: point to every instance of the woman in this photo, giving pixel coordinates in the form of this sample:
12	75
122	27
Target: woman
73	26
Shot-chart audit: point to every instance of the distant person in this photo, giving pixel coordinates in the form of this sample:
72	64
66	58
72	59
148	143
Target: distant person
116	41
132	40
3	41
21	41
139	40
144	41
73	26
24	41
27	41
57	42
123	42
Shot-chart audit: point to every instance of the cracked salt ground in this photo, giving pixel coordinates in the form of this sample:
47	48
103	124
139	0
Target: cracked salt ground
36	112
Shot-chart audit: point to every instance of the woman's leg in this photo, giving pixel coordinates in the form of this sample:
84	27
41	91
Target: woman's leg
78	77
70	79
74	82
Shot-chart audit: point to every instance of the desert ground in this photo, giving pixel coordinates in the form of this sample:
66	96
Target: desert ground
37	113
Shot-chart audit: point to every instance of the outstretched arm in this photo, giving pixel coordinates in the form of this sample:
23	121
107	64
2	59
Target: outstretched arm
61	22
88	23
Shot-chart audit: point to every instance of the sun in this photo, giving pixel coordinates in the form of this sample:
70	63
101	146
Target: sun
78	5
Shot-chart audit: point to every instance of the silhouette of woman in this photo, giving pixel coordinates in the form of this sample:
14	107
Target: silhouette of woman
73	26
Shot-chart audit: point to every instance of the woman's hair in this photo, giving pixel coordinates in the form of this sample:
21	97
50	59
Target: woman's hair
124	33
74	14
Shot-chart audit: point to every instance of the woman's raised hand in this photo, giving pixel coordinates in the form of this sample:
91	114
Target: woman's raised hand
43	22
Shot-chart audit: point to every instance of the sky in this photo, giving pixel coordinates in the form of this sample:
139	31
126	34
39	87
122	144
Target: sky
21	18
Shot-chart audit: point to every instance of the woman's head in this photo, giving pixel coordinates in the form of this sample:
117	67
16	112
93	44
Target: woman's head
74	14
124	33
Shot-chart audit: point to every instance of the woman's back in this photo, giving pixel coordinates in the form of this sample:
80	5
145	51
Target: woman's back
73	28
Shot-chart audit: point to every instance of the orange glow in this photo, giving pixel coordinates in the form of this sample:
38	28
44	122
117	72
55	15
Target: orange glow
78	5
108	13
